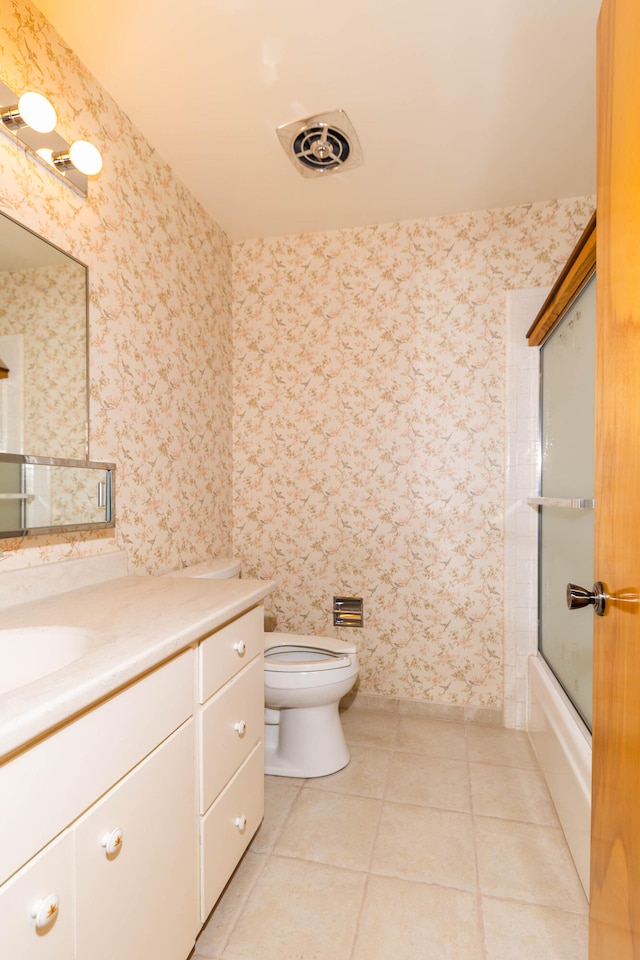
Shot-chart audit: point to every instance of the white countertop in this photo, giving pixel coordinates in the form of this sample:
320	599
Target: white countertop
137	622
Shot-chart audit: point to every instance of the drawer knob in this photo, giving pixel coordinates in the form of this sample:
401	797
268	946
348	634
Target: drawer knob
45	911
240	727
240	647
112	842
240	823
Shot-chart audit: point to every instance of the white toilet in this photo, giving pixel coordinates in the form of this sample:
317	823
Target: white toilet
305	678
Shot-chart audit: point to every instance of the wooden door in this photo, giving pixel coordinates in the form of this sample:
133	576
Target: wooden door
615	849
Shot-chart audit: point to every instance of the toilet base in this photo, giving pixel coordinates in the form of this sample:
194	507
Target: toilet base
305	742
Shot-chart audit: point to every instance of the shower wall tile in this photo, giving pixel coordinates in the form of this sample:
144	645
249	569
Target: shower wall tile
370	418
521	523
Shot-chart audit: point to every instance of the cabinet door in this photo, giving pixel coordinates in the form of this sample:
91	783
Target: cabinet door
140	900
47	876
49	785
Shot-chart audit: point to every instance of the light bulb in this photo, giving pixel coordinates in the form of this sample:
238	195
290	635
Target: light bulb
46	153
37	112
85	157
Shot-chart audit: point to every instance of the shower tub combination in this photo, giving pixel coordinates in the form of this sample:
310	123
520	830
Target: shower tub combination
561	675
562	744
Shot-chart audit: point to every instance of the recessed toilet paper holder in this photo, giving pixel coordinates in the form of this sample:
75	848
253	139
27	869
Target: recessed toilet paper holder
348	612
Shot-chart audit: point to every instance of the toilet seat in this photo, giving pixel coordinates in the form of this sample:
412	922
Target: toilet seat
292	658
305	641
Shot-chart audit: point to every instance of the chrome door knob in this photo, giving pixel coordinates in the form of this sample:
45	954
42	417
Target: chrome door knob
578	597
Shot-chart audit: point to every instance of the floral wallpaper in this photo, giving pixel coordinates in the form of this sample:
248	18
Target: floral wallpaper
366	398
369	424
47	306
159	315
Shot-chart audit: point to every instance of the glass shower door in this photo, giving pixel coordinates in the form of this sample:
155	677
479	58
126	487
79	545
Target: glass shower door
566	491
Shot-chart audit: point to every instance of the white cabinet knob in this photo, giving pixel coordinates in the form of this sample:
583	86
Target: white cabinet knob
240	727
240	823
44	911
112	842
240	647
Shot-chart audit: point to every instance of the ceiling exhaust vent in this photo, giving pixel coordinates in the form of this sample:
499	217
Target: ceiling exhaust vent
322	144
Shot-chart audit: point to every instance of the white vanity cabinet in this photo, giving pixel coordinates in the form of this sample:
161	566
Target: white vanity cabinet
120	827
230	748
122	773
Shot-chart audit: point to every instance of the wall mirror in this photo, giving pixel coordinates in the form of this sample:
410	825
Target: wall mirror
47	483
43	347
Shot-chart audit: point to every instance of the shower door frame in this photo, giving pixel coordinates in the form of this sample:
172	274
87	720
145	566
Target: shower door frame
578	271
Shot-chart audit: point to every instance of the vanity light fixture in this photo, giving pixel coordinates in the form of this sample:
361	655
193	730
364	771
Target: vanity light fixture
30	121
32	110
82	155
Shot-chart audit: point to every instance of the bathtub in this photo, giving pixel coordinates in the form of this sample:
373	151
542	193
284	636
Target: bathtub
562	745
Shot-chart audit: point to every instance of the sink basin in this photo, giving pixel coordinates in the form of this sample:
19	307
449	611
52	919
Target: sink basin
29	653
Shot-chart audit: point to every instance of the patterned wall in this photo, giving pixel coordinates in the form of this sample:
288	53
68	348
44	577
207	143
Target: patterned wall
160	315
369	390
47	306
369	425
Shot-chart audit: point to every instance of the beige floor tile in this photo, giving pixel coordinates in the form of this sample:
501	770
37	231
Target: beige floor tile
299	909
527	861
290	781
424	844
370	728
417	921
401	809
365	775
486	744
438	738
514	793
522	931
215	932
278	799
432	781
330	828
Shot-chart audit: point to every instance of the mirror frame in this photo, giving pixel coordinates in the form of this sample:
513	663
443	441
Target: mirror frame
109	470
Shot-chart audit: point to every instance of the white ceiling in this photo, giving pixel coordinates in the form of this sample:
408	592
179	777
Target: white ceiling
458	104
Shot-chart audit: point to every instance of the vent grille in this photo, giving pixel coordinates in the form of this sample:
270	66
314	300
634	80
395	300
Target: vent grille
322	147
324	143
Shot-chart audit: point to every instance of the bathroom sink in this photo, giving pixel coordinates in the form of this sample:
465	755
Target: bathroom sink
30	653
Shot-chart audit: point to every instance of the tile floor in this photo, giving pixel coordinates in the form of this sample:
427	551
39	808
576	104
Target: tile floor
437	842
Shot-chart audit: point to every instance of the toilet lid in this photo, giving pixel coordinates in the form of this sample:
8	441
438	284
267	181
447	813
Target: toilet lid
290	659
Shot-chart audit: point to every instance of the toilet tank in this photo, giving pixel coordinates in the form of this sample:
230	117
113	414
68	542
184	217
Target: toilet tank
222	568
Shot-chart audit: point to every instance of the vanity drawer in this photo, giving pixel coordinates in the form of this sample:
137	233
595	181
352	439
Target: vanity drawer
46	787
229	649
222	840
223	747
